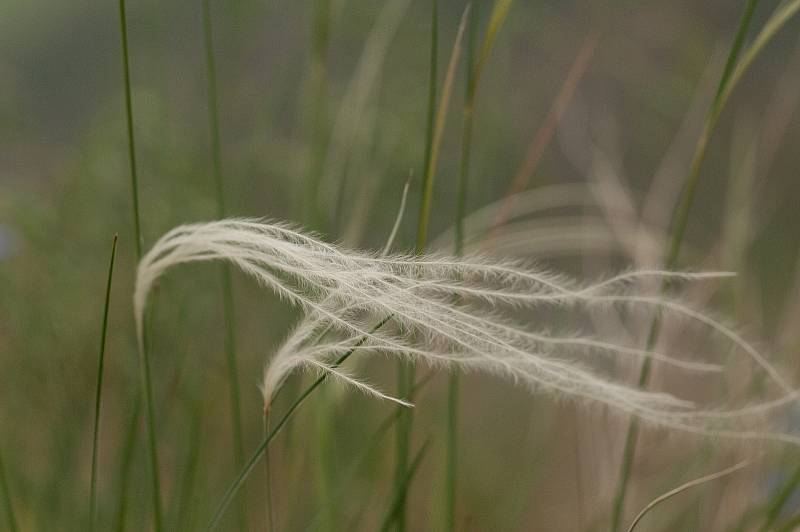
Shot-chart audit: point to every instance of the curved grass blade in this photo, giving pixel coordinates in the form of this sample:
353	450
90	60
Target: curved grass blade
99	389
680	489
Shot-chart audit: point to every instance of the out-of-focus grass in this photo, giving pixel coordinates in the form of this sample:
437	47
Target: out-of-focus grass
64	189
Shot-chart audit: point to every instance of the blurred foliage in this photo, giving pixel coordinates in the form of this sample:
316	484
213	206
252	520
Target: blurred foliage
64	190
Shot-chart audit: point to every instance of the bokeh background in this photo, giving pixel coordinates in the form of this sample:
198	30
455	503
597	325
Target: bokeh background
298	144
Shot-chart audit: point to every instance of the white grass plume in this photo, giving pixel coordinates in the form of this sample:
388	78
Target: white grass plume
456	311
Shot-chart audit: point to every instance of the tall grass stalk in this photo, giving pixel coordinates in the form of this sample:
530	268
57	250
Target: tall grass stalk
225	273
269	434
732	73
262	447
400	495
270	520
144	357
406	371
319	109
99	388
373	440
473	71
437	119
11	519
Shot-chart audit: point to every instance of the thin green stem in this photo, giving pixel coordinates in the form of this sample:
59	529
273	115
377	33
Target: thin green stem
427	181
405	370
225	273
268	475
137	226
99	389
262	447
680	220
453	385
144	359
318	105
126	461
11	518
400	495
376	437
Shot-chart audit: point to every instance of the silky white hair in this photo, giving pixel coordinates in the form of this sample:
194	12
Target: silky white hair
464	312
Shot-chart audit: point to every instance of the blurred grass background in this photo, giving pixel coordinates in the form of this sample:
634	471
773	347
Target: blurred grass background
64	191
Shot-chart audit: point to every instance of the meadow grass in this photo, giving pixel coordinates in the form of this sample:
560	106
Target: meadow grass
145	378
731	74
228	313
457	313
99	389
405	371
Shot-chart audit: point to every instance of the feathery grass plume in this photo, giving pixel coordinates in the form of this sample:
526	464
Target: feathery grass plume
344	292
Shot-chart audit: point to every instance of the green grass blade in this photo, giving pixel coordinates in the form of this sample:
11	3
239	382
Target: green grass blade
400	495
126	463
437	118
268	475
144	358
137	226
496	20
229	319
474	70
99	389
405	371
318	105
427	181
233	489
681	216
373	441
11	518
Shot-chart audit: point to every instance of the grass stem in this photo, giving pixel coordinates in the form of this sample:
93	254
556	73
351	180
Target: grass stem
262	447
99	389
144	359
453	385
225	273
401	494
405	372
679	223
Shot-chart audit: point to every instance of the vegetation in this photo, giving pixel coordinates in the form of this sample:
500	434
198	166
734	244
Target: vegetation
542	315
